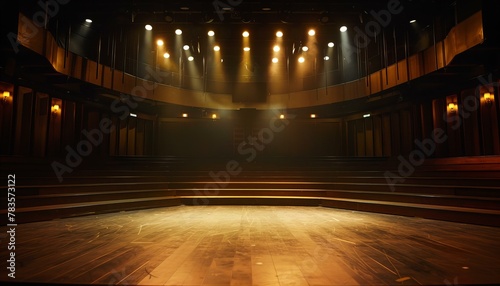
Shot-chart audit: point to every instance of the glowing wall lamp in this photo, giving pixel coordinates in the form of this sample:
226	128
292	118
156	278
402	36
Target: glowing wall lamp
452	107
55	109
488	98
5	96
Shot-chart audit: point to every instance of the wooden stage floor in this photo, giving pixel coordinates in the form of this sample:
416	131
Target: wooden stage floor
253	245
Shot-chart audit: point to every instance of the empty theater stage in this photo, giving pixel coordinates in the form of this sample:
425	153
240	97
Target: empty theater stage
255	245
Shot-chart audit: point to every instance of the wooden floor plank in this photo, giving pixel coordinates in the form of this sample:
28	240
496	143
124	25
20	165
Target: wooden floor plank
254	245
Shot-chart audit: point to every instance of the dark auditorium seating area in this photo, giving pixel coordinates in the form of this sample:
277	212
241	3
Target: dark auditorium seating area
463	190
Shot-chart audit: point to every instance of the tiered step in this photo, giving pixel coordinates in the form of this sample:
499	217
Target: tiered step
465	192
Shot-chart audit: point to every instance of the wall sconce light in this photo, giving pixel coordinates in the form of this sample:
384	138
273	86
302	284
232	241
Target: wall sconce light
214	116
185	115
282	116
5	97
488	98
452	107
55	109
313	115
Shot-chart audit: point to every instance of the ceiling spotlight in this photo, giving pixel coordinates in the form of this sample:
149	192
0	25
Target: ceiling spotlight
313	115
169	18
214	116
246	49
331	44
311	32
413	21
324	18
159	42
275	60
326	58
178	32
88	21
266	8
211	33
343	29
166	55
276	48
190	58
305	48
216	48
185	47
282	116
184	115
301	59
246	34
279	34
148	27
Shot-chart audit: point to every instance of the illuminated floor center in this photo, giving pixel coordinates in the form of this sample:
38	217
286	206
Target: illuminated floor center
254	245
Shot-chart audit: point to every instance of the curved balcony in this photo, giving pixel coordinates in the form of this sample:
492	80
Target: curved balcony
461	38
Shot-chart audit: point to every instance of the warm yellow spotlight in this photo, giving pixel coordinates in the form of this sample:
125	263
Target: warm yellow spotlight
190	58
275	60
214	116
148	27
276	48
246	34
186	47
159	42
184	115
331	44
211	33
216	48
178	32
343	29
301	59
282	116
279	34
311	32
313	115
305	48
246	49
166	55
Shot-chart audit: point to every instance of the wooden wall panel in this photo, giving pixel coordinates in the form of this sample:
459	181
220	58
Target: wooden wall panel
68	124
396	134
122	138
377	136
386	135
406	127
360	138
369	146
40	127
23	121
139	138
131	135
